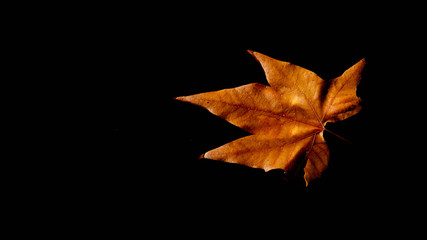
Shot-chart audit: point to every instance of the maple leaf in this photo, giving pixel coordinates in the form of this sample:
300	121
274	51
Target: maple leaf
286	119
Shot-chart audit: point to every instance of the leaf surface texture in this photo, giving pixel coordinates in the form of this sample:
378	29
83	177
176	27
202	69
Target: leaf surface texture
286	119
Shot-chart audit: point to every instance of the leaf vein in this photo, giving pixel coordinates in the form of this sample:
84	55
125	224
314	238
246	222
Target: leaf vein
276	115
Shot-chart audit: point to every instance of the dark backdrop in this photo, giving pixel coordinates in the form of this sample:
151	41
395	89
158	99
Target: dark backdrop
98	142
149	143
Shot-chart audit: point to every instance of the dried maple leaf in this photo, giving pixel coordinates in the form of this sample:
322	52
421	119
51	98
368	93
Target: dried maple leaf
287	118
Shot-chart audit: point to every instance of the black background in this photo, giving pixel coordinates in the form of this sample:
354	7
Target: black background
158	139
154	141
127	152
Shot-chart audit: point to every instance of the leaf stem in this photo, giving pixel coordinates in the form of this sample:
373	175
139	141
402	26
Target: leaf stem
338	136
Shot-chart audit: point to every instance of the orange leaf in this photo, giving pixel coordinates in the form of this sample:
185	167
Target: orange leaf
286	119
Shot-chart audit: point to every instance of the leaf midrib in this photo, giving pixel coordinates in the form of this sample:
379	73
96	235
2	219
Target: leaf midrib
265	111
